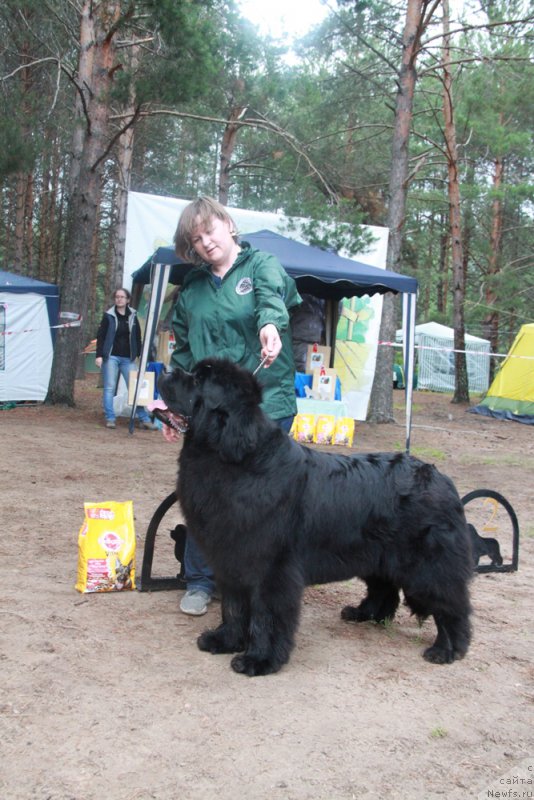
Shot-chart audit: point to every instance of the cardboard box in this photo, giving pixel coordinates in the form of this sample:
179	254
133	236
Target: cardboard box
317	356
166	345
146	390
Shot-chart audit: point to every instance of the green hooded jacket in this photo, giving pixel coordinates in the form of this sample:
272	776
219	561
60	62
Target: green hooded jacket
225	322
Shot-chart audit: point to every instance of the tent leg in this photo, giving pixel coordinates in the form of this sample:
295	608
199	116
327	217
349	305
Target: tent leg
408	339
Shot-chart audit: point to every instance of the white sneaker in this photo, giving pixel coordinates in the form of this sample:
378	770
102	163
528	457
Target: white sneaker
195	602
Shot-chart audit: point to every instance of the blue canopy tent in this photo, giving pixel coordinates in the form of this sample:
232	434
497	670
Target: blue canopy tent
318	272
28	316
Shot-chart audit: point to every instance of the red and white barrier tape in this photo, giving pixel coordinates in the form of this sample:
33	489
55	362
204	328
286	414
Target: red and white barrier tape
76	322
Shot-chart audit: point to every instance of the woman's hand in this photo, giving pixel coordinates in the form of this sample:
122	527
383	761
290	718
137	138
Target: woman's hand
271	344
98	362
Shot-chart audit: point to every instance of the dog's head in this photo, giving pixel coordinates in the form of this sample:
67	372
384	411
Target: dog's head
217	404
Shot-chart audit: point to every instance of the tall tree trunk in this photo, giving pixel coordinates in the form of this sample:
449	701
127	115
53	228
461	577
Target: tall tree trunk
443	275
28	227
491	320
227	149
461	389
381	403
18	232
23	239
95	74
124	162
120	210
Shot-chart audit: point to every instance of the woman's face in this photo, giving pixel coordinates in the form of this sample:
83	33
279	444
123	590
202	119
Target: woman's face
121	300
214	242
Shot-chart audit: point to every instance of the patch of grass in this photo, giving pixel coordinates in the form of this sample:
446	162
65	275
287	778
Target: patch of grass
416	407
429	453
439	733
504	459
388	626
529	533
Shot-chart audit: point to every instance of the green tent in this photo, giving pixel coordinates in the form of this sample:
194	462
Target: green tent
511	394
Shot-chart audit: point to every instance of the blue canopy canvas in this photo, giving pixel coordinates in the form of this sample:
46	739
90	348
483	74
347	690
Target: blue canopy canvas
319	272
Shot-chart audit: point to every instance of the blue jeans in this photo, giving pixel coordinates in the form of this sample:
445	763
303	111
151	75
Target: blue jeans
198	574
111	368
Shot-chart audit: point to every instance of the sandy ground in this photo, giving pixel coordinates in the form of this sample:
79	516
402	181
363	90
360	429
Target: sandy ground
107	695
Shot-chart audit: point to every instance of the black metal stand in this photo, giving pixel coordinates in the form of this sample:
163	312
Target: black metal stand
481	545
178	534
485	546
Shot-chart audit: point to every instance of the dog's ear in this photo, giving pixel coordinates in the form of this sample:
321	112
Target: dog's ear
238	437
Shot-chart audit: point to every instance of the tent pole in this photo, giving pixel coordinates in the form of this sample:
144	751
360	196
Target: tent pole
159	280
331	321
408	346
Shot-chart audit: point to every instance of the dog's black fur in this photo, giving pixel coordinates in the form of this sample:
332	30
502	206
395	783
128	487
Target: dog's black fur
273	516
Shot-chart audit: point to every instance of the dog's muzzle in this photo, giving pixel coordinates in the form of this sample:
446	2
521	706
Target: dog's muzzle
177	421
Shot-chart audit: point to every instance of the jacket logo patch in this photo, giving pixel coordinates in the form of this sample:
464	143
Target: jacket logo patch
244	286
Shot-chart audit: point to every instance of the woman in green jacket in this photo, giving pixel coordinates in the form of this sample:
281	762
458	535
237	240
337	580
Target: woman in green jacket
235	304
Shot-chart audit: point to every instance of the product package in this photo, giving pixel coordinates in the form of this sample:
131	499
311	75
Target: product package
106	548
324	428
344	431
304	427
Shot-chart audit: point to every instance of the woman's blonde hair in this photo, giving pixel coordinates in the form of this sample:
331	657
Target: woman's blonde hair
200	212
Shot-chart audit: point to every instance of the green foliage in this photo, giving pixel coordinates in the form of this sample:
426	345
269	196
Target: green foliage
16	153
330	227
324	150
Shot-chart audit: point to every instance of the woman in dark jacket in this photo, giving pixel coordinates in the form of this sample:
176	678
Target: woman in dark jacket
118	344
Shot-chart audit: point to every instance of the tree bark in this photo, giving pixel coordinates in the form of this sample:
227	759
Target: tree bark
124	163
491	320
381	402
461	389
227	149
443	275
95	75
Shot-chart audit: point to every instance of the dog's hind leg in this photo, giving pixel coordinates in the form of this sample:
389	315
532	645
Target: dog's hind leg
454	628
380	603
452	641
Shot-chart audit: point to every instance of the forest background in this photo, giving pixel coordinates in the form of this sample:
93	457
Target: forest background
408	115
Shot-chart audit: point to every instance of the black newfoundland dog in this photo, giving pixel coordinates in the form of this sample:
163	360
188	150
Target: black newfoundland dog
273	516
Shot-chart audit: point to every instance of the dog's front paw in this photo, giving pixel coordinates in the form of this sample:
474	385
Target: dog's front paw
217	641
439	655
249	665
355	614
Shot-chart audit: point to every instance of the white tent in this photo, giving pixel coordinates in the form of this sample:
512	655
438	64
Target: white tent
435	356
28	309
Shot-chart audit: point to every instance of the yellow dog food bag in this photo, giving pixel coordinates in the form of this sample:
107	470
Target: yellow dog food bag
304	426
344	432
106	548
324	429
